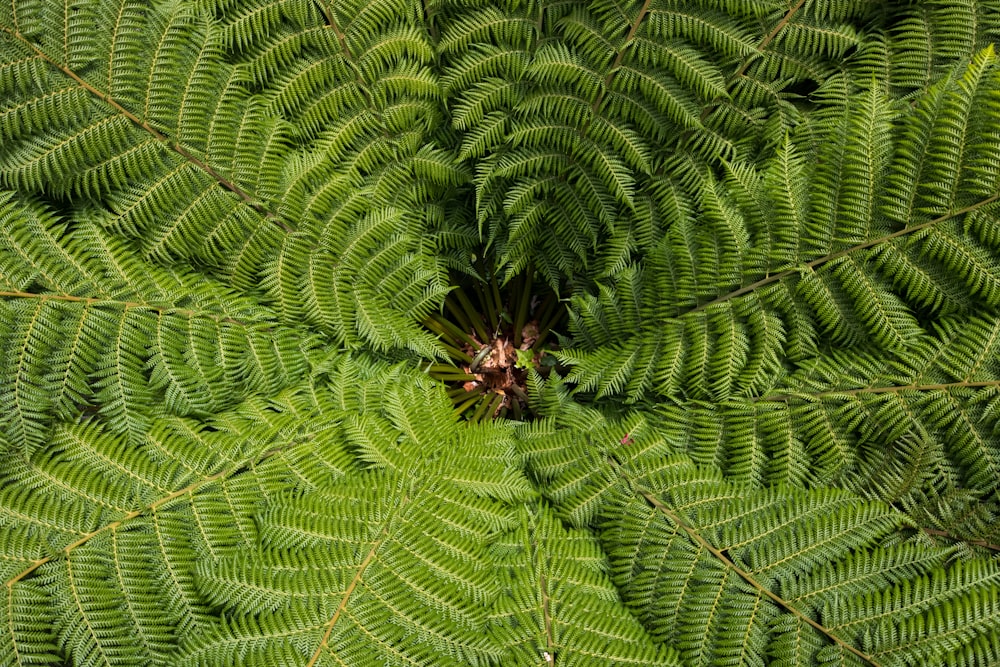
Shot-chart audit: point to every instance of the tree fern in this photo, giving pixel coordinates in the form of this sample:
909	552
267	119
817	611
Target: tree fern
235	242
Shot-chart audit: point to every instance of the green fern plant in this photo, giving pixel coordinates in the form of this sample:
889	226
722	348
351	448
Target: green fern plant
494	339
235	242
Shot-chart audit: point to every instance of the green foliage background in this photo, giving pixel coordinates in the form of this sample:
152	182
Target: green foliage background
775	227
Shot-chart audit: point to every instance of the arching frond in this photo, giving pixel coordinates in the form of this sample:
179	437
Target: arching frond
228	229
724	572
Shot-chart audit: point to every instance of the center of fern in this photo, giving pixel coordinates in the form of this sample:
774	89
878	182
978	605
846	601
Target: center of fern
496	337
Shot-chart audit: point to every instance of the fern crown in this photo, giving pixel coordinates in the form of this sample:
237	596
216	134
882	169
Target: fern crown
231	235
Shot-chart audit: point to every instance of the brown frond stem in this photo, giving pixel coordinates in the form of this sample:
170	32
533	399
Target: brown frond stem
842	253
934	532
643	12
324	643
331	22
778	27
763	44
159	136
151	507
127	305
696	537
749	578
894	389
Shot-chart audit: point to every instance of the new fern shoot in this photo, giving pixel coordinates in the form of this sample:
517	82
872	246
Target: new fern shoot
495	338
462	332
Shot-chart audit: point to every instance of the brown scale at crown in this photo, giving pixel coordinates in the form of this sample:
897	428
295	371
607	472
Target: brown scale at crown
494	337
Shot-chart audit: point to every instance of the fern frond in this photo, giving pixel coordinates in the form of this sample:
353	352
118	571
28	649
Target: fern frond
664	524
834	285
768	436
538	622
131	519
352	596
